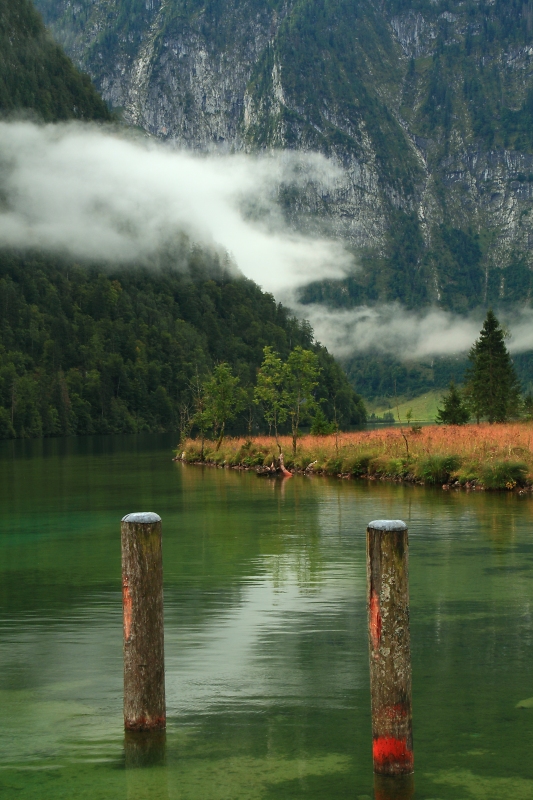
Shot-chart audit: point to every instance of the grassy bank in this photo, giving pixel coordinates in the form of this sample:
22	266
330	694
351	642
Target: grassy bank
474	456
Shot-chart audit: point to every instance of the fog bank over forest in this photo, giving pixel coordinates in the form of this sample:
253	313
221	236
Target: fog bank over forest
392	329
95	194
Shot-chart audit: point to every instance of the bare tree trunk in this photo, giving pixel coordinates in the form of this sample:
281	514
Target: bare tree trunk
285	472
276	435
220	438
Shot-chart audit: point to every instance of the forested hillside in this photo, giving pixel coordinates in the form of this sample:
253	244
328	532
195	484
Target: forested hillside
88	349
83	350
426	105
35	73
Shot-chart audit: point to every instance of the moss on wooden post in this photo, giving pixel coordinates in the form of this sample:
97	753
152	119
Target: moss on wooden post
142	596
389	642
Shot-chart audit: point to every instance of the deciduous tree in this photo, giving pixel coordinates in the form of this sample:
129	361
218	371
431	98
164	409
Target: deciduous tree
225	398
301	373
269	391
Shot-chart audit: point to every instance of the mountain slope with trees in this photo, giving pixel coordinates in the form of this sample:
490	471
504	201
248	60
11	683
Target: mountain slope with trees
100	349
35	73
88	350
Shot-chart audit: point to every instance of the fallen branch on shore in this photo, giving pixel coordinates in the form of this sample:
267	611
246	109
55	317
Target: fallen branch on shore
482	457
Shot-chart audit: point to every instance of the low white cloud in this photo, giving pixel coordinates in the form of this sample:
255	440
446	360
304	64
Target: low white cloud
93	194
391	329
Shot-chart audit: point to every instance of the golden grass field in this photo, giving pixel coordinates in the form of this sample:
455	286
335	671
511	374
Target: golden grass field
489	456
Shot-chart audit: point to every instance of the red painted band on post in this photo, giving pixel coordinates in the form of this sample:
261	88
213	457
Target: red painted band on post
386	751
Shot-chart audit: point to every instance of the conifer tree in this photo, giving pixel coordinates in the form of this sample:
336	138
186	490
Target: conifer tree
454	411
492	385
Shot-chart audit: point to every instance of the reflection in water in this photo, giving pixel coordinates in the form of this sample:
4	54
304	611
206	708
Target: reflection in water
266	651
400	787
145	749
145	759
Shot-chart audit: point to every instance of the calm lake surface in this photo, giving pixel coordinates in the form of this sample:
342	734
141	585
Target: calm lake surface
266	649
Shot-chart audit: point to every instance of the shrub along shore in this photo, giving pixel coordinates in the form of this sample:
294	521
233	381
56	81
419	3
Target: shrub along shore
473	457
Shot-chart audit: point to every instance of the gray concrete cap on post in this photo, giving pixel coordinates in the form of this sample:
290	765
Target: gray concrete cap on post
145	517
388	525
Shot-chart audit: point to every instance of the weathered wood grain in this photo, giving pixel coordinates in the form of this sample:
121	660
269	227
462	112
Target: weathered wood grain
389	643
142	596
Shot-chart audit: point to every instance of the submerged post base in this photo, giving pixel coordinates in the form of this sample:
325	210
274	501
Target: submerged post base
398	787
145	748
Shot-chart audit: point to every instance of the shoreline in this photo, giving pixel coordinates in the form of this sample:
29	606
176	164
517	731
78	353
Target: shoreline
473	457
276	473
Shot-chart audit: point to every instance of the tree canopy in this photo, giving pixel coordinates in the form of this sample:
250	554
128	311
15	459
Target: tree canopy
36	74
492	385
92	350
454	410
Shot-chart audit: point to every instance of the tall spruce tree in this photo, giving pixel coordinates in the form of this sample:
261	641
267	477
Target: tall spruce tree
492	385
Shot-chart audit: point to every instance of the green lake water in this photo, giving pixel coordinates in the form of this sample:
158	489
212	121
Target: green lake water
265	626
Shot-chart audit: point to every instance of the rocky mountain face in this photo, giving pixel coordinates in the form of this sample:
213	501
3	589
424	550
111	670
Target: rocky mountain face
427	105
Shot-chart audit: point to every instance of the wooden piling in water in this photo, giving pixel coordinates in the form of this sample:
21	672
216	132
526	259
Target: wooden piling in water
389	643
142	599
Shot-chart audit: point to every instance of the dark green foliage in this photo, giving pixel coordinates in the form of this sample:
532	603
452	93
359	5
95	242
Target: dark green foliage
357	465
437	469
523	364
35	73
454	411
93	351
461	86
527	408
320	425
492	385
382	376
407	271
504	474
456	256
511	285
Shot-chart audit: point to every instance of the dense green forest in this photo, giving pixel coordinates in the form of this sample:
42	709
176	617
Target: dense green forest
404	272
376	375
407	268
36	74
88	350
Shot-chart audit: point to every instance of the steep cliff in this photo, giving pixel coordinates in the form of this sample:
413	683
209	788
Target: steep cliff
426	104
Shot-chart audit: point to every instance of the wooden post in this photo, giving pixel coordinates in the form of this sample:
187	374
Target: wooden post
390	657
142	599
